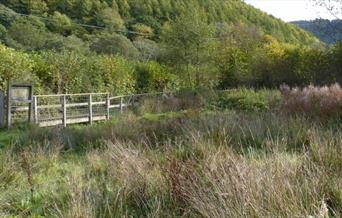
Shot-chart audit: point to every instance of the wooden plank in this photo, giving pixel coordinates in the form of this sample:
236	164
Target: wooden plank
13	100
118	106
50	123
100	103
70	121
50	106
78	94
77	104
140	95
19	108
69	105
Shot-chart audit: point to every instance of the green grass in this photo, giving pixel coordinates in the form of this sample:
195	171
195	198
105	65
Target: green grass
8	136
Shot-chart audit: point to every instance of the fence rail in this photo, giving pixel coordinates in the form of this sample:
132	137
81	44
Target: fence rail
51	110
64	109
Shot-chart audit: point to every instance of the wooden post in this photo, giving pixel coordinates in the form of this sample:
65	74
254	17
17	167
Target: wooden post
108	106
90	109
121	104
64	108
9	105
2	109
35	110
31	105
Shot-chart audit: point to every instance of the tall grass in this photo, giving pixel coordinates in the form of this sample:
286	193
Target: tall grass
324	102
208	164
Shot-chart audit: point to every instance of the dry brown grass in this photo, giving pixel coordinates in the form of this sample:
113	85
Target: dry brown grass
198	165
324	102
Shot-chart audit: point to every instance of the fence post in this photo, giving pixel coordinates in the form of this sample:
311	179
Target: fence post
31	105
35	110
9	105
121	104
2	109
90	103
64	108
108	106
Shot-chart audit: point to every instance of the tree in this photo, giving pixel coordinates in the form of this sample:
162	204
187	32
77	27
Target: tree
60	23
112	43
148	49
143	29
110	18
188	41
63	71
27	33
7	16
14	66
236	45
3	32
59	43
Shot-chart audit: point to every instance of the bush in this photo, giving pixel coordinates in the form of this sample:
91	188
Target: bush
322	102
247	100
151	76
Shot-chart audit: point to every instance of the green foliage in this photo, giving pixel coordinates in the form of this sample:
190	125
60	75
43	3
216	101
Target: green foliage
110	18
148	49
143	29
113	43
115	73
151	77
3	32
189	43
216	44
15	66
60	23
145	16
27	33
247	100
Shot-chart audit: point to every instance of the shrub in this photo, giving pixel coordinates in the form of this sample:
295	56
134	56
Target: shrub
323	102
247	100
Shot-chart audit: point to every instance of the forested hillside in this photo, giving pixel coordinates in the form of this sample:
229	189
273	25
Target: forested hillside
127	46
328	31
59	18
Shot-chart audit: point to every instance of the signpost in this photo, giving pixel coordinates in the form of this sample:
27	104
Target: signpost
19	93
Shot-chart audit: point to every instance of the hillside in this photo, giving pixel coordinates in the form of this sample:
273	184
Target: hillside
73	24
327	31
131	46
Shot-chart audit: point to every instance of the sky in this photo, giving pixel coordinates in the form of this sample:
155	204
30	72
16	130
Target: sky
291	10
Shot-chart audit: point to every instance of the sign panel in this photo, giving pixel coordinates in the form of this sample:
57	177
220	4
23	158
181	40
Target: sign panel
21	93
19	97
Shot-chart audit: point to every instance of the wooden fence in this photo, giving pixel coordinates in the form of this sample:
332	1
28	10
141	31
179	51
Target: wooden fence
64	109
51	110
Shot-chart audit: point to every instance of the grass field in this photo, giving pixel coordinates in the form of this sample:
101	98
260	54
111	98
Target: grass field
234	155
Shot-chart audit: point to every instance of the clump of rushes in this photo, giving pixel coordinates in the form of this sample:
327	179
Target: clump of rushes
217	164
324	102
